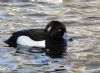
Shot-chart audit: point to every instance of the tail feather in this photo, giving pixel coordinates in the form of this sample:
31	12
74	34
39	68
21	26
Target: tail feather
6	42
9	43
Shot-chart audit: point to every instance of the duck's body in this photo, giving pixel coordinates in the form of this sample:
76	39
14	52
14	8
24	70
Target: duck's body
36	35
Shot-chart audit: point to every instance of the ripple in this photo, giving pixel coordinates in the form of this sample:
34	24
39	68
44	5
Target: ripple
93	65
6	50
92	18
38	15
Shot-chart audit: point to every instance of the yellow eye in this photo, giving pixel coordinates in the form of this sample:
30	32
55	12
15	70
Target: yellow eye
59	30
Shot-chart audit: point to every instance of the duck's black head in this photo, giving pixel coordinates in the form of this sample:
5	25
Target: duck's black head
55	29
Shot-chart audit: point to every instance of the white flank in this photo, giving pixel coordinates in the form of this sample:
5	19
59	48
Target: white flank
26	41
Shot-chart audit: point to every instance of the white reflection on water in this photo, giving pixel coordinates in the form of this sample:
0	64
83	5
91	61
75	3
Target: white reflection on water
82	23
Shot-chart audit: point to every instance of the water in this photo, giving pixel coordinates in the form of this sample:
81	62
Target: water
82	21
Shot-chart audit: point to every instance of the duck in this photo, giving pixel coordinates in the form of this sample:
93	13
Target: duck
54	30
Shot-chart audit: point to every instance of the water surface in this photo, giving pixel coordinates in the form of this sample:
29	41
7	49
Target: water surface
82	20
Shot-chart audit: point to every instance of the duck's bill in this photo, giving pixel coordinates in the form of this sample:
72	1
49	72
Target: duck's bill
67	38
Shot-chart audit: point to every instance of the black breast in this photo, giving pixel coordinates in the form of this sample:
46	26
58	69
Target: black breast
51	43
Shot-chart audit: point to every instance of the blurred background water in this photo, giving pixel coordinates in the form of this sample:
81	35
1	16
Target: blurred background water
82	20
